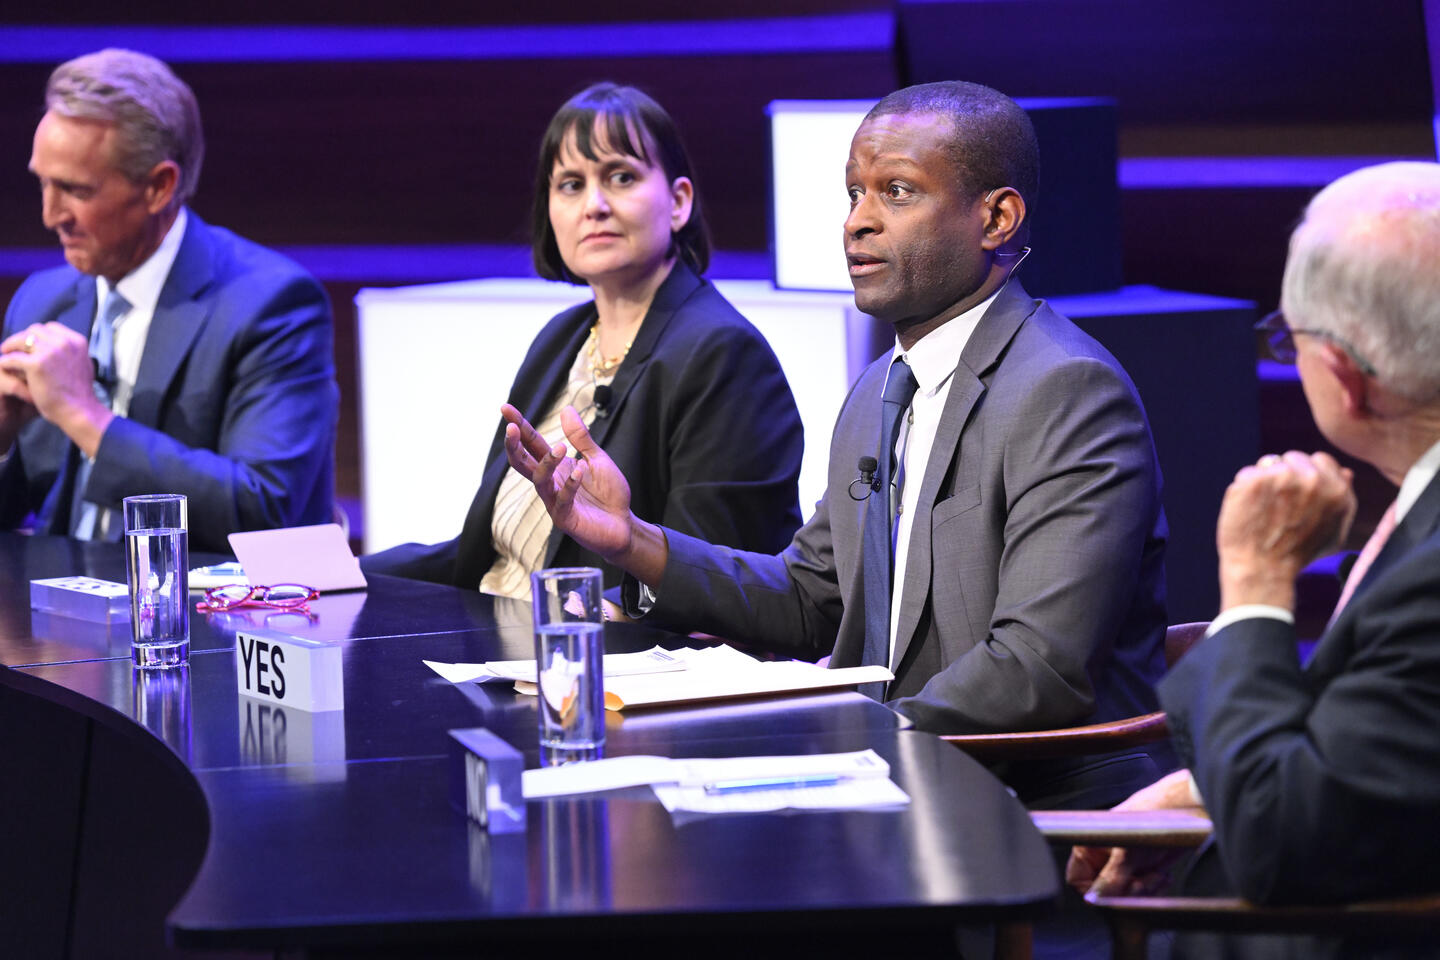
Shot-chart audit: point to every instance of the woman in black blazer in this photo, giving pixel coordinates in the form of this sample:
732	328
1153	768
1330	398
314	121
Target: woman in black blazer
681	391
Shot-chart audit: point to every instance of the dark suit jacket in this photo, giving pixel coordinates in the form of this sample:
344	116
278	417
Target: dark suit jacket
1323	781
1034	585
235	403
702	422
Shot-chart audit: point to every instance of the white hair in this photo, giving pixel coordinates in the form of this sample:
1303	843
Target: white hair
1364	266
154	111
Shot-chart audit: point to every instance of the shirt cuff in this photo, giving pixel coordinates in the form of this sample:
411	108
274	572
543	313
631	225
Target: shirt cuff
1246	611
637	599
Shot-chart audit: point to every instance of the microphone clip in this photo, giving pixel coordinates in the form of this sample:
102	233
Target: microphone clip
867	467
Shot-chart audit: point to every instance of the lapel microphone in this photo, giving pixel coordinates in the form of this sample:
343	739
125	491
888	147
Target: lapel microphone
867	467
603	397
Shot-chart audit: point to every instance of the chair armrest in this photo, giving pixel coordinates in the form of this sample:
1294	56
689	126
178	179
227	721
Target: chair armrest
1228	914
1064	742
1185	827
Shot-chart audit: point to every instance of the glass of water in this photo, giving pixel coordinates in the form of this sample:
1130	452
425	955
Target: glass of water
157	559
569	646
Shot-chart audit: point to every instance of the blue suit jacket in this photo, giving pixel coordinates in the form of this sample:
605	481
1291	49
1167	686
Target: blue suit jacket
235	403
702	423
1323	780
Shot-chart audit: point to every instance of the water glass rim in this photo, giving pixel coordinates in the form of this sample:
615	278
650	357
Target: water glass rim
556	573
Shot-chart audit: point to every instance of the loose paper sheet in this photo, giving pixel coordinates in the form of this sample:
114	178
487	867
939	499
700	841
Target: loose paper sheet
658	677
654	660
680	784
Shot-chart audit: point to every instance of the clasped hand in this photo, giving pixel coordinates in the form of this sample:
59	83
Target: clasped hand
1277	516
46	369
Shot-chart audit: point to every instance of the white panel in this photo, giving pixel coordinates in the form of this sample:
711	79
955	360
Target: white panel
437	361
810	142
435	365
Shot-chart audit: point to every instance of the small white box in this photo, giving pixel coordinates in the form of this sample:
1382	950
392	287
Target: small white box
83	598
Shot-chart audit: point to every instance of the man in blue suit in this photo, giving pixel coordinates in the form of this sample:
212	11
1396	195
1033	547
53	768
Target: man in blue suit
1322	778
169	356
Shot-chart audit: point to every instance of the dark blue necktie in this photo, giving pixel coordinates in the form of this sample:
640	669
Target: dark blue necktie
879	567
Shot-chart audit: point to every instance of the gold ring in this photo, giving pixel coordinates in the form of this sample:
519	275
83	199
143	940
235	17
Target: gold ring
29	344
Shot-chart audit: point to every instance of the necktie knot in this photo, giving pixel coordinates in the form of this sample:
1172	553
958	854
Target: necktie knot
900	385
102	343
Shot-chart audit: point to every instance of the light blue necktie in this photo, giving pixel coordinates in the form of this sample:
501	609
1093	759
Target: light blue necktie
84	515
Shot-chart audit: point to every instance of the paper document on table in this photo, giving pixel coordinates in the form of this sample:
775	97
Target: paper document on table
660	677
866	793
727	776
781	676
654	660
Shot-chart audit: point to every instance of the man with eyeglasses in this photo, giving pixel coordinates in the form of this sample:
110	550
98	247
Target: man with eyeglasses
1322	779
168	355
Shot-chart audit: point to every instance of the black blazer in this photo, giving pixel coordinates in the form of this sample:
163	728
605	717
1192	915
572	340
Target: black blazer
702	423
1323	781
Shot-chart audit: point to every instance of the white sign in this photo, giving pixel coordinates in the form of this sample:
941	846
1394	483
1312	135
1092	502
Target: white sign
290	671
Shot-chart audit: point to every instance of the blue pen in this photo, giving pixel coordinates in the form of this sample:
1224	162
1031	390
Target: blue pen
721	787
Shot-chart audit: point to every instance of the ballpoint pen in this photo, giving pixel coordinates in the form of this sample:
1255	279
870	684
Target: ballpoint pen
720	787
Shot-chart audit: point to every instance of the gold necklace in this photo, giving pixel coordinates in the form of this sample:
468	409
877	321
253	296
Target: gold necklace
601	365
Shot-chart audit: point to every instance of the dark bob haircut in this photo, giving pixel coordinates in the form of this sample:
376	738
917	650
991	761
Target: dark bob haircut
624	109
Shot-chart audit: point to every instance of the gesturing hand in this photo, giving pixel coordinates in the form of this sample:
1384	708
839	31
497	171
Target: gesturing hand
587	496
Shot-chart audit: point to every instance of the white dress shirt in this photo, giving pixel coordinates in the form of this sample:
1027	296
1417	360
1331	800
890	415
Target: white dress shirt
933	361
141	289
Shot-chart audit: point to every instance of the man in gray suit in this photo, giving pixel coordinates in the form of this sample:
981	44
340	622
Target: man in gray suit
1027	536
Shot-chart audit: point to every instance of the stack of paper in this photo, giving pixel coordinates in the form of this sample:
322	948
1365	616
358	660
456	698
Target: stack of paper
833	781
659	677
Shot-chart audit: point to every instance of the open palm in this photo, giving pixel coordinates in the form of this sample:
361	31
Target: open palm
587	497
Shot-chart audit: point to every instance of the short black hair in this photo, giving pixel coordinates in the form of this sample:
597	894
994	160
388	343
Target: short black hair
625	109
993	143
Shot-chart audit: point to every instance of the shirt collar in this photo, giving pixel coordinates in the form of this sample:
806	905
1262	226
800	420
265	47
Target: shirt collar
936	355
141	287
1417	478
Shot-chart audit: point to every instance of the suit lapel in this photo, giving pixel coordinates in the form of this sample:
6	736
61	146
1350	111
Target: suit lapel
1421	522
79	313
533	392
982	352
676	289
179	318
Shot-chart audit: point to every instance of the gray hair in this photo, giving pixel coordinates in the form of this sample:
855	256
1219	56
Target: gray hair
1364	265
154	111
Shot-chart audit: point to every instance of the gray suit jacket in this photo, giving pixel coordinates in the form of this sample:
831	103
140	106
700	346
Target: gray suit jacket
1034	582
